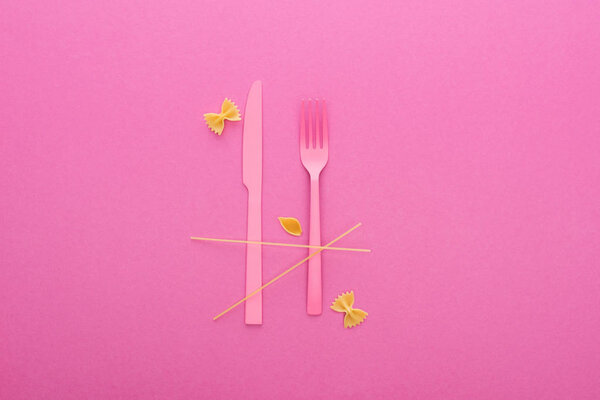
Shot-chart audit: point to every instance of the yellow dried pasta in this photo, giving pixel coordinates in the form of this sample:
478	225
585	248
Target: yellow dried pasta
216	122
291	225
344	303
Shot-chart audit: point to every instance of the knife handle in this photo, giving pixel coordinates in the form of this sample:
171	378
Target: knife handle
314	295
253	312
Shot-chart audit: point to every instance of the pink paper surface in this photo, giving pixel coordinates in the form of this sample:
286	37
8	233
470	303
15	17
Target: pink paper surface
464	135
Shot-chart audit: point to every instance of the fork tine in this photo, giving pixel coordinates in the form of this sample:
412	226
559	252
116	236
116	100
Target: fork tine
325	129
302	127
311	139
318	126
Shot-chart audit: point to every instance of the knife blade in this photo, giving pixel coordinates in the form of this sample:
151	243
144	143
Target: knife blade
252	179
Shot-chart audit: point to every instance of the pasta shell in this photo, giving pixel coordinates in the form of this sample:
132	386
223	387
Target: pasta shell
291	225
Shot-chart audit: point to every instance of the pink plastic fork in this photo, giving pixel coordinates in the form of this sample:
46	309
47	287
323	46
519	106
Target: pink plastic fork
314	152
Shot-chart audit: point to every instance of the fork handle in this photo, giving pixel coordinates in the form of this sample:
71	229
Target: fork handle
314	297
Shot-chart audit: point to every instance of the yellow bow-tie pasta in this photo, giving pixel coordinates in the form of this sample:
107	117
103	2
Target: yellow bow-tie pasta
344	303
216	122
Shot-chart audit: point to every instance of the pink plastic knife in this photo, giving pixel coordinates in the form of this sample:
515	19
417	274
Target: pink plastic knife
252	178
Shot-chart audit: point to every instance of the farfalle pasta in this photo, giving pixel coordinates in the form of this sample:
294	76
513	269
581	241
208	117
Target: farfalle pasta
216	122
344	303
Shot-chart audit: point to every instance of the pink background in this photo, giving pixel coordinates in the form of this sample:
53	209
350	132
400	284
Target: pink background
464	135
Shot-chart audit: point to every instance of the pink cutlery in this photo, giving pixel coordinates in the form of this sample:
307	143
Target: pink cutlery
252	178
314	152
